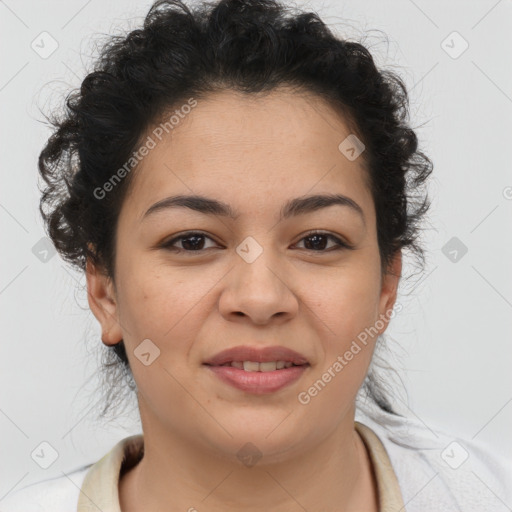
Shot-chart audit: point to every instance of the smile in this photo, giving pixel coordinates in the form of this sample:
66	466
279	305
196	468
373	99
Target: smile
253	366
258	378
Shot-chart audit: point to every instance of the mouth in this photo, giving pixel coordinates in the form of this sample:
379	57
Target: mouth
258	370
247	357
258	382
254	366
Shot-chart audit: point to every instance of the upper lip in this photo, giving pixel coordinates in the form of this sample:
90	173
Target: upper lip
256	354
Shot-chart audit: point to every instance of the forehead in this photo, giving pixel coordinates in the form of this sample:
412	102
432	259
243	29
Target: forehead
252	148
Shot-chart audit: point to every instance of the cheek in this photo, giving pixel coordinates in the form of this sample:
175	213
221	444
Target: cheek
348	307
348	301
348	310
162	308
157	302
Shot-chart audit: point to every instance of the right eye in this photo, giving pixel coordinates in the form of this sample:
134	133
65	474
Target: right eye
192	241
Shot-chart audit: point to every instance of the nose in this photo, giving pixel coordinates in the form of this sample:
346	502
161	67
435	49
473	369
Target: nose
258	292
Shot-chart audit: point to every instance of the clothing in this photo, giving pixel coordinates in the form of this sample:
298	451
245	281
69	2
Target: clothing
408	460
99	482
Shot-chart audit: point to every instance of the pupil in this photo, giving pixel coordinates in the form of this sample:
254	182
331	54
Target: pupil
194	245
315	238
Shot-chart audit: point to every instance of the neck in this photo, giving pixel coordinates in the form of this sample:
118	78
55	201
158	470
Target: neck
335	474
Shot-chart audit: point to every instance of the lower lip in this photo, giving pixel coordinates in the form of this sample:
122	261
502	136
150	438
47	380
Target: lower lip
259	383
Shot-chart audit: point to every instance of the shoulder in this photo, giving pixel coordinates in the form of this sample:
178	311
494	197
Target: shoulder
437	470
58	494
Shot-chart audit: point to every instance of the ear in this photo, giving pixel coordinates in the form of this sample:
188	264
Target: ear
102	301
389	288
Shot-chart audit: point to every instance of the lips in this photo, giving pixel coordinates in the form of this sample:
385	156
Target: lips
257	354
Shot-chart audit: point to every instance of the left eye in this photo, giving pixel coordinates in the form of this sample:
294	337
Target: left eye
316	242
194	242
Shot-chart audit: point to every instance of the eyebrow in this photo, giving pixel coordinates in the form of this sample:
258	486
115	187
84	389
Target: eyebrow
292	208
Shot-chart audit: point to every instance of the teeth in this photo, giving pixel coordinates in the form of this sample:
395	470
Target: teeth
250	366
269	366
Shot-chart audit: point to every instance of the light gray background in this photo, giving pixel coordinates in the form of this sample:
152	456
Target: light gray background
452	339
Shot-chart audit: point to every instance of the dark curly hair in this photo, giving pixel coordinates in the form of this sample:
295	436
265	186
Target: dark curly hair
250	46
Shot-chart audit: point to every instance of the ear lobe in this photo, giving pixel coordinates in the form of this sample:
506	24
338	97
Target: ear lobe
389	287
102	302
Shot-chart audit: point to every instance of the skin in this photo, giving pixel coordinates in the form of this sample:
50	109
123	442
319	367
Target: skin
193	305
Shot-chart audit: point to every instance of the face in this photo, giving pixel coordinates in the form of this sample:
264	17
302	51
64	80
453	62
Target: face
255	279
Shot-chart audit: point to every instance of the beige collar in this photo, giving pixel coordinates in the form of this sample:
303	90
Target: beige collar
390	496
100	488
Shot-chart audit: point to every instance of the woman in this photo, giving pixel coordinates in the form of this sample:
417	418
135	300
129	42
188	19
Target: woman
238	185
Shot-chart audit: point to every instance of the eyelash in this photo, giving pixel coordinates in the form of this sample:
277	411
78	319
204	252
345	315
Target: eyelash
341	245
